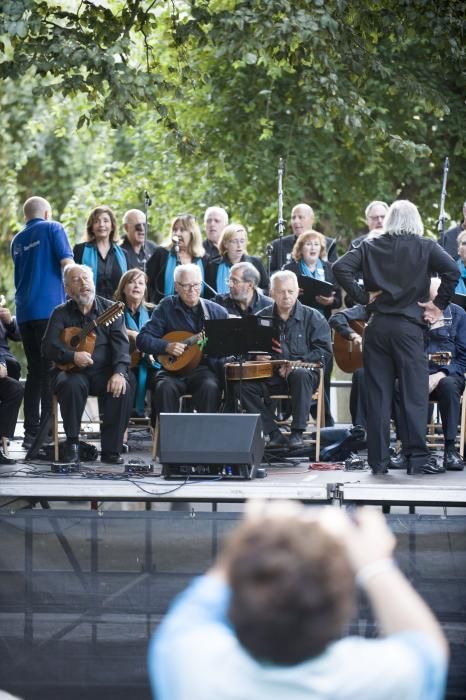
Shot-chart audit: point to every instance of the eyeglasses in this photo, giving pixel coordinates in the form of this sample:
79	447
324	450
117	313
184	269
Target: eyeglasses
139	227
190	286
234	281
237	241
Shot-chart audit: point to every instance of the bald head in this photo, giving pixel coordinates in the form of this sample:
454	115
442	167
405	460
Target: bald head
134	223
37	208
302	218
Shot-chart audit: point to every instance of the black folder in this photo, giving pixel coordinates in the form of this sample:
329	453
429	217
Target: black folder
459	299
313	288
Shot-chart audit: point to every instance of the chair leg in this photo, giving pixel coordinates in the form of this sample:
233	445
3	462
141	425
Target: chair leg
56	454
463	423
155	441
320	417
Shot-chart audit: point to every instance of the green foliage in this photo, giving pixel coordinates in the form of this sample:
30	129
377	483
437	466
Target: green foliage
196	102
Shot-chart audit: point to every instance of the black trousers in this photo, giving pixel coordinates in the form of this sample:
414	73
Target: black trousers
72	390
201	382
255	396
358	398
394	347
11	395
37	393
448	394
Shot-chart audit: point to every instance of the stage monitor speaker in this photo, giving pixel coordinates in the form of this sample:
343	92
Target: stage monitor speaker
210	445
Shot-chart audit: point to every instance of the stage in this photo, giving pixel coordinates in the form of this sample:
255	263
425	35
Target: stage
296	479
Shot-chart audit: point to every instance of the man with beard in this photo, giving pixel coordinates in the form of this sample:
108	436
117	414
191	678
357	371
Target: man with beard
102	372
243	298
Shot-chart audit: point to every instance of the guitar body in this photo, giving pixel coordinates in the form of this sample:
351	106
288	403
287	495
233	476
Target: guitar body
191	357
71	338
347	354
262	369
248	370
83	339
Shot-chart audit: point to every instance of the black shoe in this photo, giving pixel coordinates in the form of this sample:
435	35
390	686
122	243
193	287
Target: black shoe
453	461
429	467
4	459
277	440
379	469
71	452
111	458
398	461
296	440
28	440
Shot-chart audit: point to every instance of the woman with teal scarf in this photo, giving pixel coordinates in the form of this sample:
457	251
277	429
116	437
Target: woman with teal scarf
184	245
233	249
461	262
132	292
100	251
307	255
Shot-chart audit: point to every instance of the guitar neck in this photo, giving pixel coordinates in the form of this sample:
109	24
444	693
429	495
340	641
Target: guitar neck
296	364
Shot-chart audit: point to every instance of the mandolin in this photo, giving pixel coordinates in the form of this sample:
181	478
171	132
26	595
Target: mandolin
191	356
263	369
348	355
83	339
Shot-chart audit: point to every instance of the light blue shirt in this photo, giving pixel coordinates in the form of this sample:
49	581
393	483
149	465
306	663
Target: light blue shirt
195	655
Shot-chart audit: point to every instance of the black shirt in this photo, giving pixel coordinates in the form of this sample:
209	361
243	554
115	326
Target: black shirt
259	302
401	266
282	247
138	260
111	352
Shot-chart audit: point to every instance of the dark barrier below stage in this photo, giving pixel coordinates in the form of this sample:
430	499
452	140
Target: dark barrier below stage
81	592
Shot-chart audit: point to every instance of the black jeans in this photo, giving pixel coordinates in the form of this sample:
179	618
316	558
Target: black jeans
37	392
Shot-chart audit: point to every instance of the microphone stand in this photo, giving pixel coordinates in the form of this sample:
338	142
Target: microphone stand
280	225
442	216
147	204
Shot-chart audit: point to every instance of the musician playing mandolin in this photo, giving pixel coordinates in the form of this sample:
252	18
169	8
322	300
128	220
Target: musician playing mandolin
100	371
304	335
183	314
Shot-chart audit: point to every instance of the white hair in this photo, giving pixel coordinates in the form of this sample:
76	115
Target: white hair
375	203
215	210
403	217
283	275
130	213
187	267
68	269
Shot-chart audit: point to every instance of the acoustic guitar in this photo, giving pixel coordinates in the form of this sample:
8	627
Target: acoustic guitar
347	354
191	356
83	339
263	369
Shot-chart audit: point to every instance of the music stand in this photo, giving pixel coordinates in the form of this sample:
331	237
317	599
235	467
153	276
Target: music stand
239	336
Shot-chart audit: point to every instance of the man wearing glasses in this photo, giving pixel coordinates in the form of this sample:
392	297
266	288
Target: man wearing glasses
375	213
183	311
138	249
243	299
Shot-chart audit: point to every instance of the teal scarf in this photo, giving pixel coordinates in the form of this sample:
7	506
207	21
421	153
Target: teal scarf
318	273
461	286
223	276
90	258
144	363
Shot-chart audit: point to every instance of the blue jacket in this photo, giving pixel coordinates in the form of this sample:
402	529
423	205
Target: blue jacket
450	337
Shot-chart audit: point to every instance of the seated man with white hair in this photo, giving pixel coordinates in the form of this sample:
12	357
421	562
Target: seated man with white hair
183	311
101	372
303	335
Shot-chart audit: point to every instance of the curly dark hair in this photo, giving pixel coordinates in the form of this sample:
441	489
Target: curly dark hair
292	589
